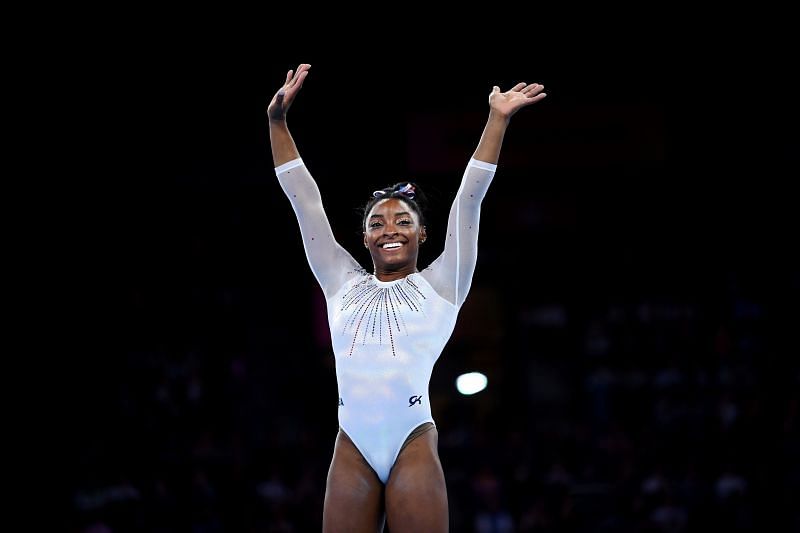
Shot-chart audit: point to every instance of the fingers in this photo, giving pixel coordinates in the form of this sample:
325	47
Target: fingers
532	90
527	89
294	78
299	79
301	69
533	99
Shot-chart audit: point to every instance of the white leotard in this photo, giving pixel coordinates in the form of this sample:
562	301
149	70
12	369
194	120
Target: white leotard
387	336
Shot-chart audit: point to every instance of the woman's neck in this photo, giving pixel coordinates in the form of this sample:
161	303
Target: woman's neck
391	275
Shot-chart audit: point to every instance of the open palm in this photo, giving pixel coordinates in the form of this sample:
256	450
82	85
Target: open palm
285	96
520	95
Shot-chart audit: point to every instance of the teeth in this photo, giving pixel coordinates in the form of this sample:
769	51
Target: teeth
392	245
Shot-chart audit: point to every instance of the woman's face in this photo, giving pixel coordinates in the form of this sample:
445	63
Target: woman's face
393	234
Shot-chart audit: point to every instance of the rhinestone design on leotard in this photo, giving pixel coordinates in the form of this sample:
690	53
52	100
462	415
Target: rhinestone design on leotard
377	311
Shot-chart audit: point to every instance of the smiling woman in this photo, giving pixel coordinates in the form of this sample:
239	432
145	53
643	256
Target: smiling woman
389	327
394	227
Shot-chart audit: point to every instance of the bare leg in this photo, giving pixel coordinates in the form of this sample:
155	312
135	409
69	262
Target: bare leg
416	494
353	494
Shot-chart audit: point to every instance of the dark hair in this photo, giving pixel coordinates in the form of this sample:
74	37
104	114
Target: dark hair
407	191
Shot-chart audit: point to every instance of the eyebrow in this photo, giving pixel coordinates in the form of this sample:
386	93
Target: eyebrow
396	214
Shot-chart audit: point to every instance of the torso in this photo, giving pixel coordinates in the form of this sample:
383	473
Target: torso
386	338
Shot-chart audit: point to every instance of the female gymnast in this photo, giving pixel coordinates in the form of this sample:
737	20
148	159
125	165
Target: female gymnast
388	327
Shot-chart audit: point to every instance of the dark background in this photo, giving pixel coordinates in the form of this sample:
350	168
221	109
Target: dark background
633	303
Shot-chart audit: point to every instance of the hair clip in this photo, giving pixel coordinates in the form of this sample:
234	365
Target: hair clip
407	190
378	194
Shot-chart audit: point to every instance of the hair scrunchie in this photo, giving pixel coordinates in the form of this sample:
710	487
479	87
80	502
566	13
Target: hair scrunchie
406	190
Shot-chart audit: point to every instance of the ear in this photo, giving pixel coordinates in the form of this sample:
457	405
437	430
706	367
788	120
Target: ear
366	245
423	234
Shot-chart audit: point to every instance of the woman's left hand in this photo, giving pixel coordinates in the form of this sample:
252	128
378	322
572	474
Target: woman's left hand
519	96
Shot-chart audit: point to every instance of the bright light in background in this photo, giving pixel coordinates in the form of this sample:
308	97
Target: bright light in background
471	383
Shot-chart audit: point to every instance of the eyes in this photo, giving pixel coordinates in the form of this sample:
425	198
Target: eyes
401	222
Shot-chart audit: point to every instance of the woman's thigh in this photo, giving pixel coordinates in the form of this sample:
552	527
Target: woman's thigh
416	494
353	494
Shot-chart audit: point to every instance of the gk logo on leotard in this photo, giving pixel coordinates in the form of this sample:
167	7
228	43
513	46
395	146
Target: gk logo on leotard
415	399
341	402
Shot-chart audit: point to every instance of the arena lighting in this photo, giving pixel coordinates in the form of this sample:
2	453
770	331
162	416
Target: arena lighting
471	383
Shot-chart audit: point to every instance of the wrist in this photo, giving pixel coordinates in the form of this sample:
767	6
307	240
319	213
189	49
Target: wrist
498	118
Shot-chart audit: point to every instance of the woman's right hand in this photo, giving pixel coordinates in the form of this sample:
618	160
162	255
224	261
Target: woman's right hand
283	98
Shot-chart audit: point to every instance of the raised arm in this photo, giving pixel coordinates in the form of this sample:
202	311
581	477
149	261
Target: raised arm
329	262
451	273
